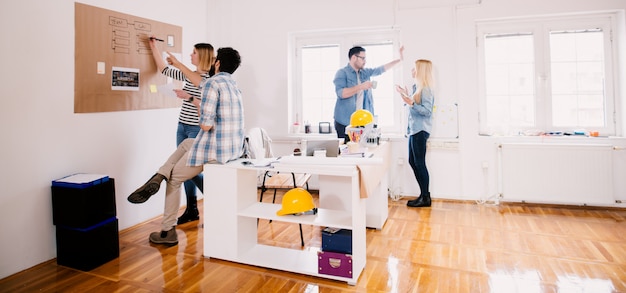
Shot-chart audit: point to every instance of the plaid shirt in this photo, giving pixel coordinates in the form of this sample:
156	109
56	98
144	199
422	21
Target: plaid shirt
221	108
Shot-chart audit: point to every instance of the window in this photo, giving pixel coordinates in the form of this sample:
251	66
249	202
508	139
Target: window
317	58
547	75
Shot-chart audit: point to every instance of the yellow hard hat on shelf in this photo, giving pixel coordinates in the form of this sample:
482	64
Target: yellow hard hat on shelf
296	201
361	118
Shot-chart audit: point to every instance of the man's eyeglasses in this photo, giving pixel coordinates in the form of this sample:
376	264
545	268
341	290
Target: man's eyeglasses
362	58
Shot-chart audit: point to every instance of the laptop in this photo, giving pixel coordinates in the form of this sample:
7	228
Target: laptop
330	145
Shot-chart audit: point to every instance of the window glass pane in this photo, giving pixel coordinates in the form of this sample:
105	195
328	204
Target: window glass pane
509	81
377	55
577	64
319	64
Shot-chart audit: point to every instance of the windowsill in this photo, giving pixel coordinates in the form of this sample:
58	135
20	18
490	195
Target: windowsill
511	138
568	139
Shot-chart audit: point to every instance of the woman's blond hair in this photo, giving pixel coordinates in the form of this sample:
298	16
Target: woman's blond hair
206	56
423	76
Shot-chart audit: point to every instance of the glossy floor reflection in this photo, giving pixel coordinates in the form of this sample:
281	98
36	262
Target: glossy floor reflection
451	247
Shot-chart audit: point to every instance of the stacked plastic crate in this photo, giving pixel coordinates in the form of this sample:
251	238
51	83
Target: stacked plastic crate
84	213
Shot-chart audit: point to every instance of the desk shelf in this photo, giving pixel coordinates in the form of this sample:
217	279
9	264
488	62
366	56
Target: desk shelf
296	261
231	210
323	218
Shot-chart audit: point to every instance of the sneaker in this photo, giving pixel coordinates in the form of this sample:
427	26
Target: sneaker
169	238
143	193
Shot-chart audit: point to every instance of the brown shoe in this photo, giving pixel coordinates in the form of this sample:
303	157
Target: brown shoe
169	238
143	193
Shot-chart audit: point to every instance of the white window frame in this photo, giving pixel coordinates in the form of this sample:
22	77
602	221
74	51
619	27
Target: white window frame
346	39
540	28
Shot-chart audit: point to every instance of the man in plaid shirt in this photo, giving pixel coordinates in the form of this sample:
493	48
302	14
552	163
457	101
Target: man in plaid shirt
219	141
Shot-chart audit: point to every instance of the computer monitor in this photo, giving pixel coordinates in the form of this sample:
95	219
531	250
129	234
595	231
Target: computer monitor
330	145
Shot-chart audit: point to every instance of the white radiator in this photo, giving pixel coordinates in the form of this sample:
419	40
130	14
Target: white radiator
556	173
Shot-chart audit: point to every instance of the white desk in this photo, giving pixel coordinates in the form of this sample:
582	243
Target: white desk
375	174
231	209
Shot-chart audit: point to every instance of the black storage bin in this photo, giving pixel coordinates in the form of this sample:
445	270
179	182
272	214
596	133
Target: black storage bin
337	241
86	249
85	217
83	206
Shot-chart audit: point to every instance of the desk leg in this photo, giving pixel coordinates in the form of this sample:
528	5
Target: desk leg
377	209
227	191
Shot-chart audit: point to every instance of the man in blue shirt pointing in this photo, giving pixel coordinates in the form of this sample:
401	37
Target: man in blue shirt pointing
354	87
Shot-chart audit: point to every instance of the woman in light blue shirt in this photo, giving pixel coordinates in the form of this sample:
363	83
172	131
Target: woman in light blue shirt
420	103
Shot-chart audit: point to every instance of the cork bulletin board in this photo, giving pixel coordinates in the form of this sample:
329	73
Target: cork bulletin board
114	69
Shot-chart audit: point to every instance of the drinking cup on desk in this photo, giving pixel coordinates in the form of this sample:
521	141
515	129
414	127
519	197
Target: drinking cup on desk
353	147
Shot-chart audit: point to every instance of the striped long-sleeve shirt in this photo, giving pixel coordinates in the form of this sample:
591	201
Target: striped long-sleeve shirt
188	111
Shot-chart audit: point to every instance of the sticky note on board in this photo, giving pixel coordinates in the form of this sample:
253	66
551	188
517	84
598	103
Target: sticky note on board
153	88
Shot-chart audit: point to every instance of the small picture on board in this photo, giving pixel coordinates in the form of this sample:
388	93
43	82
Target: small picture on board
124	79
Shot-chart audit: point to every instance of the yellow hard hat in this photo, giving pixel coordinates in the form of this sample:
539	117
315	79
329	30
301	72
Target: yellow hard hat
361	118
295	201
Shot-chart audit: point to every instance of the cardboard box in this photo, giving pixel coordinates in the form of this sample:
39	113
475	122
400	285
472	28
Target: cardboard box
334	264
86	249
337	240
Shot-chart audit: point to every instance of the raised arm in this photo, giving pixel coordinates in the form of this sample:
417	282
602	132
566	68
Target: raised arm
156	54
394	62
193	76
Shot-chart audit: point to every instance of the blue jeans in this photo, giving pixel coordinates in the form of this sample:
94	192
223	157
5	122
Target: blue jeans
183	132
341	132
417	160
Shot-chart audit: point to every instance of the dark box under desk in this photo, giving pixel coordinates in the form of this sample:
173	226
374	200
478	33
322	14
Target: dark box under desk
86	249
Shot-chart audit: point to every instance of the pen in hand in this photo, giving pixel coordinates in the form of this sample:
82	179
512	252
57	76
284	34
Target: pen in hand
153	38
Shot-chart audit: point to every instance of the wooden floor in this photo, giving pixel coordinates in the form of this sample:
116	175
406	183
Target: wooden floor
451	247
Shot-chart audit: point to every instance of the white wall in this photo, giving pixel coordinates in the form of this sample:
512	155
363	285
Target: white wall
443	33
44	140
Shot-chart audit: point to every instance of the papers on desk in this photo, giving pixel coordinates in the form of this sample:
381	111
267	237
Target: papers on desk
360	153
356	155
368	158
263	162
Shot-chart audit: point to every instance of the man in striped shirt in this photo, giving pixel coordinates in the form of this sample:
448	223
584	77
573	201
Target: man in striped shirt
219	141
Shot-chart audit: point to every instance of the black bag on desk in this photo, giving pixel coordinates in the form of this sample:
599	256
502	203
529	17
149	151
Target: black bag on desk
337	240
